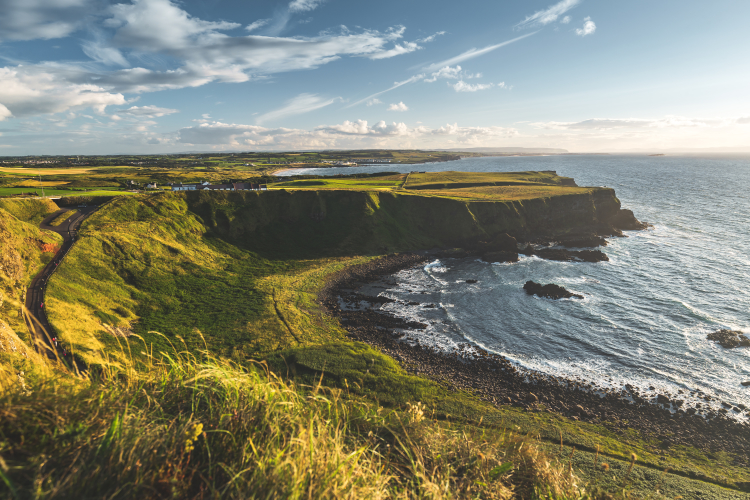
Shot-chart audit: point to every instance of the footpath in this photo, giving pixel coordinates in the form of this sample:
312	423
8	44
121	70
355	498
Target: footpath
36	317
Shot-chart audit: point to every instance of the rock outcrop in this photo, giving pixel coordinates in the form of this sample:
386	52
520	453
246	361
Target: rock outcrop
550	291
729	339
563	255
624	219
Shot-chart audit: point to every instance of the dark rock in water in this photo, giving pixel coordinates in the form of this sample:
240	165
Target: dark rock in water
662	399
412	303
374	300
729	339
571	255
503	243
624	219
430	306
582	241
745	383
499	243
502	256
550	291
472	281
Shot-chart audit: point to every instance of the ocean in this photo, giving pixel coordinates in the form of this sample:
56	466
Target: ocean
646	312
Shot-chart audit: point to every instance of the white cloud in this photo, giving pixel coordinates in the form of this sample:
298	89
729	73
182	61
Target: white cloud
472	53
5	113
303	103
348	134
360	127
548	15
148	111
588	27
160	26
462	86
446	72
744	120
159	30
374	101
565	20
304	5
398	107
44	88
397	50
257	24
45	19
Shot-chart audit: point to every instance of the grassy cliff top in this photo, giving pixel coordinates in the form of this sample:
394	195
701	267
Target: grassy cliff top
480	186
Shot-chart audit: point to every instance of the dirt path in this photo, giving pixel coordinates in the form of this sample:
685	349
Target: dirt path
36	318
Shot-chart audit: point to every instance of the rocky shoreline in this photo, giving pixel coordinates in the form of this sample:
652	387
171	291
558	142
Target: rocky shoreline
496	380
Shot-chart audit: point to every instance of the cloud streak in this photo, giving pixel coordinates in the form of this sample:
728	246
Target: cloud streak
548	15
395	86
472	53
303	103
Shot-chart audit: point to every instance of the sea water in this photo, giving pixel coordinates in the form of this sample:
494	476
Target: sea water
646	312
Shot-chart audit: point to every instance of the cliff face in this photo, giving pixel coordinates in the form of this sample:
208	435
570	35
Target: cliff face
317	223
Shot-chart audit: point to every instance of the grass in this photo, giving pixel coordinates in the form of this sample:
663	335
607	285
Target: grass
199	427
159	273
24	251
150	264
62	218
33	171
504	186
7	191
388	182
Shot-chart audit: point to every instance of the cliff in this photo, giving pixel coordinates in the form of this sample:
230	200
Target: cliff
333	223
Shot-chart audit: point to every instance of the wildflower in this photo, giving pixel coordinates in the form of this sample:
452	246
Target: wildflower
605	467
191	435
415	412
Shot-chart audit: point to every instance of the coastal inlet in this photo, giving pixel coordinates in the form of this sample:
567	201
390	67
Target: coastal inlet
646	312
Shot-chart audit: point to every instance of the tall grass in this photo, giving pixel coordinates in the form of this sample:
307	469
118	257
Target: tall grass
206	428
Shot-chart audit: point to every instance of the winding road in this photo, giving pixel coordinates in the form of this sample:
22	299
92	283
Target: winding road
36	317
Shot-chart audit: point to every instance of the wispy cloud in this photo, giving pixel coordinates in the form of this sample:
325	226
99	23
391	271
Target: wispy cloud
395	86
373	102
667	122
548	15
398	107
431	38
303	103
472	53
304	5
588	27
149	111
565	20
257	24
462	86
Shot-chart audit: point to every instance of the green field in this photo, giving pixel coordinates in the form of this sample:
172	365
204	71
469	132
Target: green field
5	191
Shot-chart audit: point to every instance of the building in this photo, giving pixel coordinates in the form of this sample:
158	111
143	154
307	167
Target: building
205	186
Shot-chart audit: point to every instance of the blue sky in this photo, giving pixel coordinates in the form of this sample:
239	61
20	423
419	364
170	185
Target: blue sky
159	76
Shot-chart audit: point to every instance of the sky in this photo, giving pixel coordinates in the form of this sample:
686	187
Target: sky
167	76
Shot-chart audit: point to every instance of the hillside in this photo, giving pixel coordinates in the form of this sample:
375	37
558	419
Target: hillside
180	302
